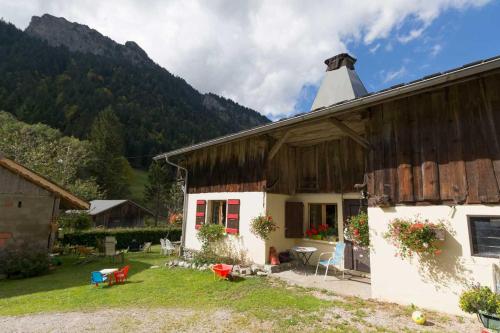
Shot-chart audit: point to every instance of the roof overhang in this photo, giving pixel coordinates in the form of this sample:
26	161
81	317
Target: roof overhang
430	81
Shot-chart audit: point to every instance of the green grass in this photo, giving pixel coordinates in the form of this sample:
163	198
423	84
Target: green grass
138	183
67	288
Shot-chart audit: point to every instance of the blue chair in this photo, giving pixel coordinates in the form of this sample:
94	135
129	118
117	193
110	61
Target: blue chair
97	277
336	259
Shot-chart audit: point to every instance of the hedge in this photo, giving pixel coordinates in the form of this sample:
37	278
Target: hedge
123	236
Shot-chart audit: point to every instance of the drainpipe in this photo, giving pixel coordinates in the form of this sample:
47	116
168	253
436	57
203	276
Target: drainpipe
184	204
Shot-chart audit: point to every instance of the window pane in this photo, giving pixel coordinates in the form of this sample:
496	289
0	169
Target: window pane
315	217
218	212
485	234
331	218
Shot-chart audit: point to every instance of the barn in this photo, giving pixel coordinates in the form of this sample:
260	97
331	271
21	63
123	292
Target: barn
428	148
118	213
30	205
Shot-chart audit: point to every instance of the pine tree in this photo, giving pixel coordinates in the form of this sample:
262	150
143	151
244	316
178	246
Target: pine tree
111	169
157	191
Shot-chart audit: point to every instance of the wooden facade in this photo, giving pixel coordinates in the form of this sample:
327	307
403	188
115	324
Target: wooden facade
438	146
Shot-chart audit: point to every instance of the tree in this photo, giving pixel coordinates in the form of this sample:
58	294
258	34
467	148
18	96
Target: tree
157	190
111	169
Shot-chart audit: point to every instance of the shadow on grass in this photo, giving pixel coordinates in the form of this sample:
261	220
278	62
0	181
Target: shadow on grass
69	275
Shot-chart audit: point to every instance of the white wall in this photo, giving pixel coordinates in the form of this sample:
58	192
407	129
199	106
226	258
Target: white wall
409	282
251	205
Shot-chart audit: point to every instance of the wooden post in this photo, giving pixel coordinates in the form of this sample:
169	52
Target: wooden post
350	133
274	150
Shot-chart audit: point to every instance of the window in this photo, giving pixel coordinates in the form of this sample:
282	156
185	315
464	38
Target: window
485	235
218	212
323	214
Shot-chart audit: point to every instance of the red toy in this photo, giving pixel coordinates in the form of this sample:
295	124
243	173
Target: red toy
121	275
222	270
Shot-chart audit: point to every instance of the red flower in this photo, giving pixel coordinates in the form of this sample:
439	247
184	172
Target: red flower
356	232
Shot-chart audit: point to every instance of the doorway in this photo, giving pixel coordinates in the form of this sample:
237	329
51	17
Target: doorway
355	258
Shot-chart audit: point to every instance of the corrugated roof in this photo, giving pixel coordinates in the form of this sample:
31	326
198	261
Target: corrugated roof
68	199
427	81
99	206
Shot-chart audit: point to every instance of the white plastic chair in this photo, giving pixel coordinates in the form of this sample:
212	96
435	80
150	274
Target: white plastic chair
167	247
336	259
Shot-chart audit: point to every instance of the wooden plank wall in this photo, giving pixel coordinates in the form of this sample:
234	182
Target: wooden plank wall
234	167
339	165
437	147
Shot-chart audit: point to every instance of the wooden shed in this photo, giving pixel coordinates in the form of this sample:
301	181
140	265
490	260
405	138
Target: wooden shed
118	213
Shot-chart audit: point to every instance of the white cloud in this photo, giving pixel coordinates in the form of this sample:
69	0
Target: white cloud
388	76
413	34
259	53
375	48
435	49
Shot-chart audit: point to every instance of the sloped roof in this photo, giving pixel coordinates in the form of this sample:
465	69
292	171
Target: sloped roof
100	206
68	199
343	107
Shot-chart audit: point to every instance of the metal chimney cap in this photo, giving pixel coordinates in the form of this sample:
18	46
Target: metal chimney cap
342	59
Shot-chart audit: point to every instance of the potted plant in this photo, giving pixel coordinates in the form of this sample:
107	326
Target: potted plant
262	226
357	230
412	236
483	302
323	231
313	233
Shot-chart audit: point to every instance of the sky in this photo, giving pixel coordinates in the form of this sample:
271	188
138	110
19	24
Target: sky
268	55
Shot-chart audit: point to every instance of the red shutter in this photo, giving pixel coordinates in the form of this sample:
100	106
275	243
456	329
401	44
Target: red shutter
233	216
201	206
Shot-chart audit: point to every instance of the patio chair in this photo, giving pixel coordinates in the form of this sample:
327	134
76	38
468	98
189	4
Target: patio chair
167	247
146	247
97	277
336	259
121	275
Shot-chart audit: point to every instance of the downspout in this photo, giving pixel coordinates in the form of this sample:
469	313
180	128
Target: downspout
184	204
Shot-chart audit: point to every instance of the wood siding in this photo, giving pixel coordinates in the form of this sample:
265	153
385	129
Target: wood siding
440	146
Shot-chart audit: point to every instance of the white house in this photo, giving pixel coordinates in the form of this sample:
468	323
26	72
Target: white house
430	148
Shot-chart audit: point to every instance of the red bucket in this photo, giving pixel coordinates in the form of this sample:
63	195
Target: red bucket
222	270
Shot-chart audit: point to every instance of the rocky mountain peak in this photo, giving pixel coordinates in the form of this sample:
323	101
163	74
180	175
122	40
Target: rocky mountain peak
58	31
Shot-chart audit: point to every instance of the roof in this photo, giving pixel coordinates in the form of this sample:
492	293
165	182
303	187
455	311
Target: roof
99	206
428	81
68	199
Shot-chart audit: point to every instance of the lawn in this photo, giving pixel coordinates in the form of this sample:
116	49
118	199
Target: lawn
274	306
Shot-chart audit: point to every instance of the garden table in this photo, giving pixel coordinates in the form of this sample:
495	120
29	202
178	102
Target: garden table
109	273
304	253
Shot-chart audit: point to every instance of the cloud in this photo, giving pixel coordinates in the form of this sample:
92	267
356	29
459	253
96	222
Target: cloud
413	34
375	48
436	49
259	53
388	76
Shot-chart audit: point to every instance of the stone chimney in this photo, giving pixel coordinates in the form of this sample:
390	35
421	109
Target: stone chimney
341	83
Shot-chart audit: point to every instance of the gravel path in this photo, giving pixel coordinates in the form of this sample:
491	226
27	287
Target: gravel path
383	319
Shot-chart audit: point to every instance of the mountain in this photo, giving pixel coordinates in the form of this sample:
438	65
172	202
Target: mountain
63	74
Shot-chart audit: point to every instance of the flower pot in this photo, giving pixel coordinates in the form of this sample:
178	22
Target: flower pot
317	237
489	320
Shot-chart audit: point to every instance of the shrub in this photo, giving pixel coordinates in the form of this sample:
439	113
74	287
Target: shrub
75	221
357	229
210	233
414	236
480	298
22	259
262	226
123	236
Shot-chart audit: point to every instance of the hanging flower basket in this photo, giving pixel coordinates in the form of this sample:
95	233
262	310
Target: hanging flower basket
357	231
415	236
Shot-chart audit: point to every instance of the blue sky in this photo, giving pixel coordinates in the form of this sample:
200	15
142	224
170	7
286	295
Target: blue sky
455	38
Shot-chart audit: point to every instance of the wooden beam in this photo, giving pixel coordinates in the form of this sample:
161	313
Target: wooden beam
350	133
278	145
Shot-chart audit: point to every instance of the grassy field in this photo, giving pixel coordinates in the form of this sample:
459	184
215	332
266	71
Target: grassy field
265	302
138	183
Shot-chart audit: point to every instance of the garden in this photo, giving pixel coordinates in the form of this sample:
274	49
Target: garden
159	298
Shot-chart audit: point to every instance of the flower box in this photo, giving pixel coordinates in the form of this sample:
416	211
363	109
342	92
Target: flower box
490	321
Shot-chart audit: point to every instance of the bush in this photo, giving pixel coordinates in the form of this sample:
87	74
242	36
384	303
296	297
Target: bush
75	221
210	233
262	226
22	259
123	236
480	298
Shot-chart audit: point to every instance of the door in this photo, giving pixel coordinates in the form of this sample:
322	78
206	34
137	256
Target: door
356	258
294	220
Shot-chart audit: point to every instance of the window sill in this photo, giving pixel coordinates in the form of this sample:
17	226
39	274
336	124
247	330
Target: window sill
319	241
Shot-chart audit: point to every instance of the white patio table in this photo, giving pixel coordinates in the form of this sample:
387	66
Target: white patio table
109	273
304	253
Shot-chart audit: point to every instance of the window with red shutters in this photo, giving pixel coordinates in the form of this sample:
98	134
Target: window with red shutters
201	206
233	216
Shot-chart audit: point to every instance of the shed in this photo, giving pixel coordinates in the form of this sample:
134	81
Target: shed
118	213
30	204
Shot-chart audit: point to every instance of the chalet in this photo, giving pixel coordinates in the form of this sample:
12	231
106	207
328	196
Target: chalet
118	213
30	204
430	147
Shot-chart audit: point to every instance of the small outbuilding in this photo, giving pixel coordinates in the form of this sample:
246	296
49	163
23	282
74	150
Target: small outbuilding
118	213
30	204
